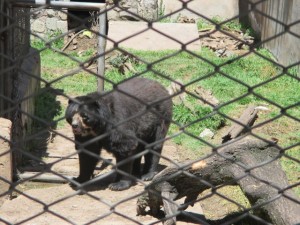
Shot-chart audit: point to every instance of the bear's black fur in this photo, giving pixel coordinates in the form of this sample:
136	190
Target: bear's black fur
124	121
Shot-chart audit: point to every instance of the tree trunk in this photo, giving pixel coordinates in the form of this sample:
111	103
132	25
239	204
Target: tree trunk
252	164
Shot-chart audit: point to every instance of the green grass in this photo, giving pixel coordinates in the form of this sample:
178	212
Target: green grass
190	69
231	25
53	39
227	78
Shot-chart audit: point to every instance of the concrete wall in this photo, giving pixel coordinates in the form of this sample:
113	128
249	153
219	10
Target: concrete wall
224	9
285	47
46	21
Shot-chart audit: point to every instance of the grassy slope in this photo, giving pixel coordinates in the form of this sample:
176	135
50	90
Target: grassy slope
231	80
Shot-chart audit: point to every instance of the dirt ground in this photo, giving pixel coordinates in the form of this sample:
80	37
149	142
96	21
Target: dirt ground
57	203
46	203
60	204
54	203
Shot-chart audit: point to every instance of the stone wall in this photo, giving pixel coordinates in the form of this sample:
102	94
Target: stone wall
144	9
46	21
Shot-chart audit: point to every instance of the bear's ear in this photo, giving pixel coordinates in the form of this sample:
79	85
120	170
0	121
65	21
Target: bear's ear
71	101
103	110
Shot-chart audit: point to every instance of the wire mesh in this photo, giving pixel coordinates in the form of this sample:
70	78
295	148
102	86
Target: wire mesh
247	173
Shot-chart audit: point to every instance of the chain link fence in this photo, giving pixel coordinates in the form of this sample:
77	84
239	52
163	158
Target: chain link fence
197	121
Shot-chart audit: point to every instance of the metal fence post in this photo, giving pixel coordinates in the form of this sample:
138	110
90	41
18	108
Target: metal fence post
101	49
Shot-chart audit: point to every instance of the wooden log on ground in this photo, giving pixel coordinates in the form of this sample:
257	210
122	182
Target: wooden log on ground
242	125
252	164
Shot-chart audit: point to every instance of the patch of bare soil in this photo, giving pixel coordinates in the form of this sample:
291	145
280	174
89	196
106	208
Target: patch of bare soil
60	204
224	43
81	41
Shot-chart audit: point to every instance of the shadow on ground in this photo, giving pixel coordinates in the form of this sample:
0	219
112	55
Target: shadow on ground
47	108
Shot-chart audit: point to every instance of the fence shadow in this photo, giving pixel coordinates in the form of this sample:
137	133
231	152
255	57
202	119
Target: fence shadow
197	218
47	108
102	181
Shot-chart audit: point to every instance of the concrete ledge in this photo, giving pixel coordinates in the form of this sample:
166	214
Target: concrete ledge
5	158
163	36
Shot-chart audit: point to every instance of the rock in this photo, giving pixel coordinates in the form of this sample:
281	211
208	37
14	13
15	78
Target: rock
207	133
124	15
51	23
185	19
207	96
225	44
134	10
148	9
62	26
38	26
175	88
220	52
63	15
51	13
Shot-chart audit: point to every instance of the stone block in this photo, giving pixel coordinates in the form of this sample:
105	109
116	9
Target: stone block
38	26
113	14
36	14
62	15
62	26
51	13
151	40
51	23
124	15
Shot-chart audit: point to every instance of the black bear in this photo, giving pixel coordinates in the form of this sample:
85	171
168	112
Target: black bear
125	121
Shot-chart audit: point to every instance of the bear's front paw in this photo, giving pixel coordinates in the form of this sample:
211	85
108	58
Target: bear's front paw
148	176
120	186
75	183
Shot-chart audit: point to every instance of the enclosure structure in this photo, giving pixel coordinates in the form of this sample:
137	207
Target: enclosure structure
210	88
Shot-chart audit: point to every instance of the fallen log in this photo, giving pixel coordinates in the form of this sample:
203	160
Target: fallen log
242	125
250	163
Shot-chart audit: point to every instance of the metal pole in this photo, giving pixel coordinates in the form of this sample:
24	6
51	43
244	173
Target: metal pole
101	49
58	4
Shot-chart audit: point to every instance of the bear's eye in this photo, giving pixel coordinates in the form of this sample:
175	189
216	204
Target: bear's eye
84	116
